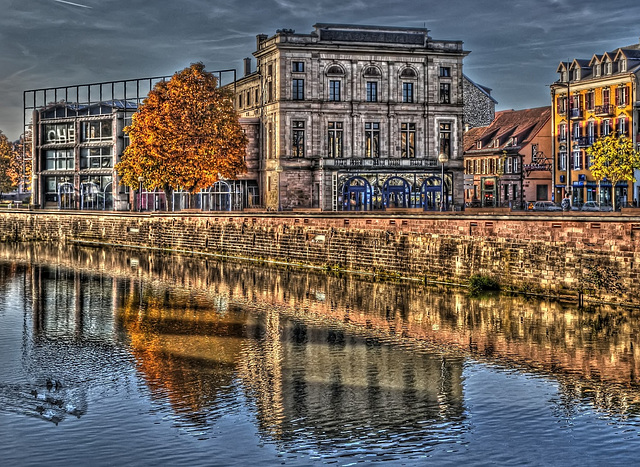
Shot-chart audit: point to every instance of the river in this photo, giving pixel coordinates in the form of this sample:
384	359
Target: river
129	357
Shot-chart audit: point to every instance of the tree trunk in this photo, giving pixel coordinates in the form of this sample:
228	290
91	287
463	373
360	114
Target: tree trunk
168	194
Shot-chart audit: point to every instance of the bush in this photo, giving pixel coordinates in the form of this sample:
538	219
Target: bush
479	283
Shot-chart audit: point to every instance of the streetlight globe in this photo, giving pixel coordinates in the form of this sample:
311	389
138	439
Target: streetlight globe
443	158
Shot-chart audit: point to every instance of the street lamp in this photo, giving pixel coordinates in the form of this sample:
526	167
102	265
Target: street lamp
443	158
279	171
140	182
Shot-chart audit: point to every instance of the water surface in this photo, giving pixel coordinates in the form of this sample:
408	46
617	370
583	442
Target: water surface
132	358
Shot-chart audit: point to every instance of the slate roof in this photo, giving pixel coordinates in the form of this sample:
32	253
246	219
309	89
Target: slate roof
521	124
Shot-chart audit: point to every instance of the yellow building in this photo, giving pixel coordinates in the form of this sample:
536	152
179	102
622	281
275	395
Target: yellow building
602	99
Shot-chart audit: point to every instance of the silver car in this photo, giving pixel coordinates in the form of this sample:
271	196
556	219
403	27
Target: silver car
546	206
593	206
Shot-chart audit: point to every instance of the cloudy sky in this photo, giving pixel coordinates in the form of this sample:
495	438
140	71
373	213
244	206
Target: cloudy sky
515	45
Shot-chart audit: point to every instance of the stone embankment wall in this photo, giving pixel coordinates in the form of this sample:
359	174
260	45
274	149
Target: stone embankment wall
556	255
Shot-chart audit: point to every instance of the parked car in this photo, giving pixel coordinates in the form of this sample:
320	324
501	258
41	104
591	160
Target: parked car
546	206
593	206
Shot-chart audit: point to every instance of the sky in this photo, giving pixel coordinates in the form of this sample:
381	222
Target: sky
515	45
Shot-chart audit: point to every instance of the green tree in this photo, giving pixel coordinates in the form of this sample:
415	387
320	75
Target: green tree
186	135
614	158
6	165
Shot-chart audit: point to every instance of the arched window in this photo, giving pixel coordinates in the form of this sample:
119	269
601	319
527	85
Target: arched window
335	70
371	72
408	73
356	194
396	193
431	194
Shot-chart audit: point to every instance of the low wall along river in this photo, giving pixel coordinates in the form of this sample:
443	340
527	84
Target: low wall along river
558	255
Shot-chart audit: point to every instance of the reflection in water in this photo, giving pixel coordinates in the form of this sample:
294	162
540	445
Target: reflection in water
328	364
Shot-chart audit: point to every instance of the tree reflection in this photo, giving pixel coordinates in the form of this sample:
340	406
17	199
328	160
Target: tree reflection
325	356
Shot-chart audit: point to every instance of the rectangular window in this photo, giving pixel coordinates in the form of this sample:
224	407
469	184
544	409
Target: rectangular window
298	67
622	96
372	139
562	132
606	127
60	133
516	165
445	139
623	127
407	92
591	133
298	89
562	160
372	91
445	71
561	105
576	131
269	91
590	100
298	138
408	140
445	93
257	97
97	130
59	159
52	184
334	90
100	181
240	101
335	134
577	160
96	158
605	97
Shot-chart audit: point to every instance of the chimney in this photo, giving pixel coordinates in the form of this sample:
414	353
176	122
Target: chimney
259	39
247	66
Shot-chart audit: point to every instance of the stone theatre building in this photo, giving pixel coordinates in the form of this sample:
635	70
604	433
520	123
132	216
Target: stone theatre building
355	118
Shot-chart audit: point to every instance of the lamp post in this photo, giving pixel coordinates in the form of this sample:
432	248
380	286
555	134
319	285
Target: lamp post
140	182
442	158
279	171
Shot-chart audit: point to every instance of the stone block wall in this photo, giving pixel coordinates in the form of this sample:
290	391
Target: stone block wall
555	255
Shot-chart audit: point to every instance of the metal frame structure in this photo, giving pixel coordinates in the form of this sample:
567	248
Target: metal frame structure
128	94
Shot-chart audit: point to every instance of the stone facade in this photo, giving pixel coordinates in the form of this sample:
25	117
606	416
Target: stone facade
479	106
554	255
355	117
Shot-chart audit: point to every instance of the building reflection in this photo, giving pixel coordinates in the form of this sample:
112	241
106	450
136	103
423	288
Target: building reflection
318	353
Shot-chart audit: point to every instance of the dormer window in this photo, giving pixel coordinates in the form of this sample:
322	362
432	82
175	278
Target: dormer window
608	68
576	74
496	143
478	144
597	69
622	66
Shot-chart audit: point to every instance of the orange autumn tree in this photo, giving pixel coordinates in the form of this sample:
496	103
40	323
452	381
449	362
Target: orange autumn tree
186	135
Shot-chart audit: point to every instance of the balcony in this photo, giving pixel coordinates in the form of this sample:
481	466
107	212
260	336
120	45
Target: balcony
575	113
363	163
604	110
